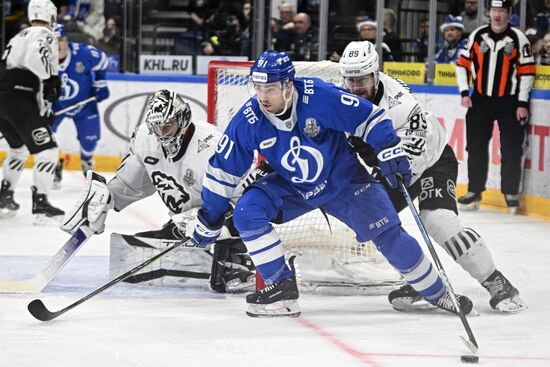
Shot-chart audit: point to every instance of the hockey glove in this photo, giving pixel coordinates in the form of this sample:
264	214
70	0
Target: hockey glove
102	93
203	233
365	151
393	161
52	88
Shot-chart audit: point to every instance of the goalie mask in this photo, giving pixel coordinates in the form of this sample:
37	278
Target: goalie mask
168	117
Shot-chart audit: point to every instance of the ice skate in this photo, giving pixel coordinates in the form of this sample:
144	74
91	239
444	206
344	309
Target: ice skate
58	175
446	303
275	300
406	299
43	211
504	296
512	201
8	206
239	280
470	201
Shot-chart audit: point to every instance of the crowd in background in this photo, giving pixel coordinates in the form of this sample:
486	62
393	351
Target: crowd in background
223	27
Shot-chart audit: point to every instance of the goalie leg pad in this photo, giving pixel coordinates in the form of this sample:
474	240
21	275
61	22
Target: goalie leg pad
92	206
183	267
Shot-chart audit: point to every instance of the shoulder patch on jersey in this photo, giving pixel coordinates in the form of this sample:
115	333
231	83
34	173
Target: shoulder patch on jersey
268	143
483	47
202	146
527	50
392	102
508	48
311	129
151	160
189	177
79	67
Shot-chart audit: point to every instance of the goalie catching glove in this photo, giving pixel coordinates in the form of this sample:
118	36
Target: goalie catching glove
91	208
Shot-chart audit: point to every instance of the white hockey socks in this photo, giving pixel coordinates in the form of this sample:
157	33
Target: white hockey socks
44	170
464	245
13	165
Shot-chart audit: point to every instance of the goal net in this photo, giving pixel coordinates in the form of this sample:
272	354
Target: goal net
328	257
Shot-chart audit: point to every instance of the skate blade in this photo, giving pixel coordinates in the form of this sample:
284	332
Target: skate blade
469	207
407	304
511	306
513	210
6	213
44	220
288	308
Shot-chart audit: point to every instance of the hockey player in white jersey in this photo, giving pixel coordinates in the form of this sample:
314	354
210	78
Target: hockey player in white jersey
434	171
299	125
28	85
168	155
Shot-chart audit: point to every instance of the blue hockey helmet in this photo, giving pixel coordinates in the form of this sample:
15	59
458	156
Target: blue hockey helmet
59	31
272	66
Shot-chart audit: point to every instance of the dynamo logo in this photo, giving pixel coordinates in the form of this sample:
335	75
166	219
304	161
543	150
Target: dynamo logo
69	88
304	160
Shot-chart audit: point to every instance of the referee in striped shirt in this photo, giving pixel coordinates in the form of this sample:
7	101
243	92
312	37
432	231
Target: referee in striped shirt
498	57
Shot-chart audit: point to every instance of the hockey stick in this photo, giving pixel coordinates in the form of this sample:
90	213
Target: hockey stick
471	343
40	312
54	265
76	105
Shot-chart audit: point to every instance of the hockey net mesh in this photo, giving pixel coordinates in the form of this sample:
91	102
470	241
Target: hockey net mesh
329	259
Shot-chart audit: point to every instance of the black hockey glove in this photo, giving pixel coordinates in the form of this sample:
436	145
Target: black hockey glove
52	88
365	151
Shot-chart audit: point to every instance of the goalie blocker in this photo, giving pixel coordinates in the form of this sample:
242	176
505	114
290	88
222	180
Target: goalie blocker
225	264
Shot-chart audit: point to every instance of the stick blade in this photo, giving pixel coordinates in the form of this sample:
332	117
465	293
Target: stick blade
39	311
470	344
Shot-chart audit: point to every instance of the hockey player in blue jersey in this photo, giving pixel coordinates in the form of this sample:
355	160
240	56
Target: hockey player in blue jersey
299	125
82	69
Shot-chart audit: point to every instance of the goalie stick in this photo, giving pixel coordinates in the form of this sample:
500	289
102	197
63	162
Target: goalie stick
52	267
471	343
40	312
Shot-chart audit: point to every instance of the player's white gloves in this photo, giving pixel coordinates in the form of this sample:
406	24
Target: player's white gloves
393	162
92	206
201	232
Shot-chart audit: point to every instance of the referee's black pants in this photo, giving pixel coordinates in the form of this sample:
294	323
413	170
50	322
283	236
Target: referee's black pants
479	129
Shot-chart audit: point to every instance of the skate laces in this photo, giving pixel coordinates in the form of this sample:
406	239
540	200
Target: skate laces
496	286
470	195
446	302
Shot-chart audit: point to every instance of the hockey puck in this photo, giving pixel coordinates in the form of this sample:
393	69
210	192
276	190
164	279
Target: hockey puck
469	359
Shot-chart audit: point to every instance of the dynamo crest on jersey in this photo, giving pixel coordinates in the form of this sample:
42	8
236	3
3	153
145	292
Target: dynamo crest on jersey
306	162
311	129
69	88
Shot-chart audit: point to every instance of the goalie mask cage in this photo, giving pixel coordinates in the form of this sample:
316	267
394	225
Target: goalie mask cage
329	259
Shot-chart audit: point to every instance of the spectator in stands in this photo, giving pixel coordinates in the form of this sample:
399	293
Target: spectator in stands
110	42
536	43
245	26
86	16
514	20
283	34
367	32
545	55
469	17
390	35
542	19
14	13
452	29
420	45
227	41
305	44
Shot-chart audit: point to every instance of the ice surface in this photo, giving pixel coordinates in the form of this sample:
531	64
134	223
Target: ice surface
133	325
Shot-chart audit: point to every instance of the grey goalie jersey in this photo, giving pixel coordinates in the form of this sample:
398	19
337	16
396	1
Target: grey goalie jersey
178	181
422	137
34	49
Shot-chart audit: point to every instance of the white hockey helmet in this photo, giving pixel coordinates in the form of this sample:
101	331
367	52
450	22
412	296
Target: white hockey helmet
43	10
168	117
360	59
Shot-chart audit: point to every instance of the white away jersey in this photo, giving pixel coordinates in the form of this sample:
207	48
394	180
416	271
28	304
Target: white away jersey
422	137
34	49
178	181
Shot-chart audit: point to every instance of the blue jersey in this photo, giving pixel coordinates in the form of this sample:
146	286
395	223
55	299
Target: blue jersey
309	149
82	72
448	54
